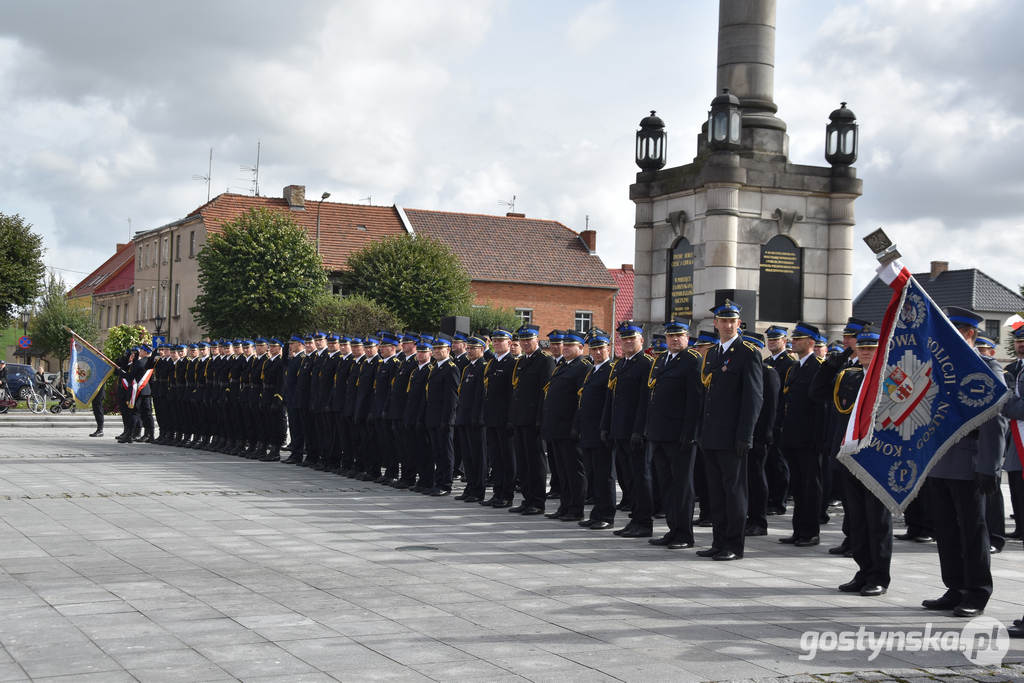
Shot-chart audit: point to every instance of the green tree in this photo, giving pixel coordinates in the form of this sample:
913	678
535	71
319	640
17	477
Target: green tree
55	313
417	278
119	340
489	317
21	266
356	315
260	275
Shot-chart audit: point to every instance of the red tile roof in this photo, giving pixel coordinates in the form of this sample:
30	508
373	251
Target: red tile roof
504	249
624	301
340	231
123	278
107	269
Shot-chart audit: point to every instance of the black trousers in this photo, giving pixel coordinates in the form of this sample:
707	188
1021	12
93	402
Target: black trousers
757	487
410	449
500	448
296	430
727	494
673	465
442	446
474	458
533	480
144	409
601	466
777	473
870	529
556	477
572	476
995	517
641	493
623	472
388	447
961	534
805	483
700	485
97	408
918	517
277	428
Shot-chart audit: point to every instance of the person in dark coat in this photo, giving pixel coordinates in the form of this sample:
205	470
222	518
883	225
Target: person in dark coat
382	385
293	392
561	400
421	457
597	451
956	488
362	415
396	412
442	400
733	392
803	420
1014	411
272	380
764	432
498	434
529	375
469	423
625	416
776	468
672	408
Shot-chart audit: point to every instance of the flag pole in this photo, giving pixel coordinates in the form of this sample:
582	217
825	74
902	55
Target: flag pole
90	347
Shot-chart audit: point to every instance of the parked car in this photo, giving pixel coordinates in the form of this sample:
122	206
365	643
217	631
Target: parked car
19	379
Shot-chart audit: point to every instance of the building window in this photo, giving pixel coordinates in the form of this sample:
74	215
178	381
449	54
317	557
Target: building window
108	315
336	289
126	314
117	315
584	321
165	249
177	249
191	243
177	299
525	315
153	309
138	306
992	330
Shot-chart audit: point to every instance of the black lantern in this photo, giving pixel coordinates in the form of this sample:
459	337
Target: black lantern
841	137
159	320
724	121
650	143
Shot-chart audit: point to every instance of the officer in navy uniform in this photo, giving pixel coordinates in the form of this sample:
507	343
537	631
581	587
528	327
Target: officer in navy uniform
867	521
458	356
764	434
292	395
396	412
672	411
956	488
561	400
625	416
498	435
272	400
371	460
382	385
597	451
802	424
442	401
421	460
555	351
469	423
733	384
705	341
529	375
776	468
144	401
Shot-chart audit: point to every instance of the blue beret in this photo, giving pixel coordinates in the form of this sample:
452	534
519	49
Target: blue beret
458	336
597	340
274	341
707	337
370	341
527	331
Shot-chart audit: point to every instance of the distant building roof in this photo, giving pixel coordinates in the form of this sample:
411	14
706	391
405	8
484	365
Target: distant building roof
121	280
112	266
514	248
968	288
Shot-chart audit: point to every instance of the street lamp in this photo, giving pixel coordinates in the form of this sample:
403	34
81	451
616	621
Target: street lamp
324	196
159	323
724	122
25	317
650	143
841	137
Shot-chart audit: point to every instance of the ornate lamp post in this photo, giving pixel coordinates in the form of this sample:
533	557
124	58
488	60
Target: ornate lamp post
841	137
725	122
650	143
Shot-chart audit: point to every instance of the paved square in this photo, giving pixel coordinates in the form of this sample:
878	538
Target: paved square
141	562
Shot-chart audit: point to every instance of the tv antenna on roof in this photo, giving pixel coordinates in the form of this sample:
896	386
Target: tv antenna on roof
208	176
511	205
368	199
255	170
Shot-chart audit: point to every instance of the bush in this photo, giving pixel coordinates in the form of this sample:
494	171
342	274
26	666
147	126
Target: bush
355	315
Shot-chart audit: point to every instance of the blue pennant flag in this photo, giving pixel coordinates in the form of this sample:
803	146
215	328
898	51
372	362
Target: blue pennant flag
89	370
925	389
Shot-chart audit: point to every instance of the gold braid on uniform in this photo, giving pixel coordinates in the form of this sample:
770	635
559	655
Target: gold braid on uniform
613	380
705	379
651	379
835	393
515	373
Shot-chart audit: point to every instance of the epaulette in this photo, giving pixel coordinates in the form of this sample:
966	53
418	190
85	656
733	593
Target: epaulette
753	347
648	356
820	360
693	352
546	353
588	360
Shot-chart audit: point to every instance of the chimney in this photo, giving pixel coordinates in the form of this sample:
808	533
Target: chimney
295	195
589	238
120	246
512	214
627	267
938	268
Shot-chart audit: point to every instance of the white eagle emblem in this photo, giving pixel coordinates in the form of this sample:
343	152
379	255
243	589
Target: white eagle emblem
913	313
906	403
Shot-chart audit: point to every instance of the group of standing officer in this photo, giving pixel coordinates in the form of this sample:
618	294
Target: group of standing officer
739	421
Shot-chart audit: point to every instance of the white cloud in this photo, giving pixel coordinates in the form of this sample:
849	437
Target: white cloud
592	26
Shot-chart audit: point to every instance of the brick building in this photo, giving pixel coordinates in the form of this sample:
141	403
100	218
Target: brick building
547	272
108	291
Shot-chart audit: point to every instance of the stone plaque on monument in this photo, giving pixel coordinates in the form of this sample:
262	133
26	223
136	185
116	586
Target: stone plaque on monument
680	281
781	289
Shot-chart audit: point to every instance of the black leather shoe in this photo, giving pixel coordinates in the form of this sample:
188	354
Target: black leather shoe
637	532
840	549
704	522
947	601
789	540
529	511
470	499
967	611
851	586
807	542
586	523
873	591
623	506
1016	631
708	552
401	485
726	556
461	496
437	492
554	515
663	540
623	530
517	509
502	503
98	432
601	525
923	539
488	502
570	518
755	531
679	545
776	510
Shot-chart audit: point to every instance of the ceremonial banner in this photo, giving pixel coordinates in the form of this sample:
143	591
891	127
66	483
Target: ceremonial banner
925	390
89	370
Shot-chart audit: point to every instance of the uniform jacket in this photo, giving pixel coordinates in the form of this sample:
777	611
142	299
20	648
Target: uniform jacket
442	394
337	393
764	429
593	393
291	377
272	380
674	402
400	387
562	398
733	393
386	370
364	388
351	386
471	395
625	408
803	418
416	396
529	375
836	388
498	391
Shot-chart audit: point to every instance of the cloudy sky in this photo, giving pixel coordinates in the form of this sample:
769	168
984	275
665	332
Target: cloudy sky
110	107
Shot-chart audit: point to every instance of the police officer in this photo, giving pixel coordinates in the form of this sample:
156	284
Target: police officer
396	411
733	385
421	461
956	487
625	416
497	422
672	410
561	400
292	396
272	400
597	451
361	411
382	386
529	375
